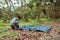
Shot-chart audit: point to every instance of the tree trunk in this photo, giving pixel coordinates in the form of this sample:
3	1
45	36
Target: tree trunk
53	10
9	10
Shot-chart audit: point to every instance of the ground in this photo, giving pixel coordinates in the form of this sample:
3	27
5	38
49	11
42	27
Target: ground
54	33
30	35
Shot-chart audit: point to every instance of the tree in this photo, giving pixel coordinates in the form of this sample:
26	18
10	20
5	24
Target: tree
9	9
54	9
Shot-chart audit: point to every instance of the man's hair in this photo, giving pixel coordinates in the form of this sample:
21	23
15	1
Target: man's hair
19	17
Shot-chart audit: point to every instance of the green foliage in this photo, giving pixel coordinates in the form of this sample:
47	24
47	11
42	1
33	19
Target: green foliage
33	10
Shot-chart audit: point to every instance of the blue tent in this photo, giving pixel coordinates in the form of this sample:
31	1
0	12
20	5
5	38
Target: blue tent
37	28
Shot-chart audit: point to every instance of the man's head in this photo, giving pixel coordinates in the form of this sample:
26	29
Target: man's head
18	17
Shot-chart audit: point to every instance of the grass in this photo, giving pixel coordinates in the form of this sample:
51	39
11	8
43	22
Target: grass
31	22
4	26
8	34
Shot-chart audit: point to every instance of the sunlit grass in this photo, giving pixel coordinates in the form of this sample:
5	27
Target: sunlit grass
4	35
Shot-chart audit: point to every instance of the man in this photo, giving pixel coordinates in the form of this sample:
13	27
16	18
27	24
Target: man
14	22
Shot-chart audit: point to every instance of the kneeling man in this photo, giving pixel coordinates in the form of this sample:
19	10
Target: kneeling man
14	22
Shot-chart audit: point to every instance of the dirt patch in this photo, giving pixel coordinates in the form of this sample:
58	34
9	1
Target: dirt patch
30	35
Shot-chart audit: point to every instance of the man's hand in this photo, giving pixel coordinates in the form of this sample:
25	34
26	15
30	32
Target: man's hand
14	26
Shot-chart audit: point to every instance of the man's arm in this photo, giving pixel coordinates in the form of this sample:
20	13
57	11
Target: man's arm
14	26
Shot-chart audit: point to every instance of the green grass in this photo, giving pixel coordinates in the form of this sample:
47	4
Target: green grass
8	34
31	22
4	26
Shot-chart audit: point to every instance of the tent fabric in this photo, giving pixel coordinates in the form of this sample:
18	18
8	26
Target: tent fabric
37	28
